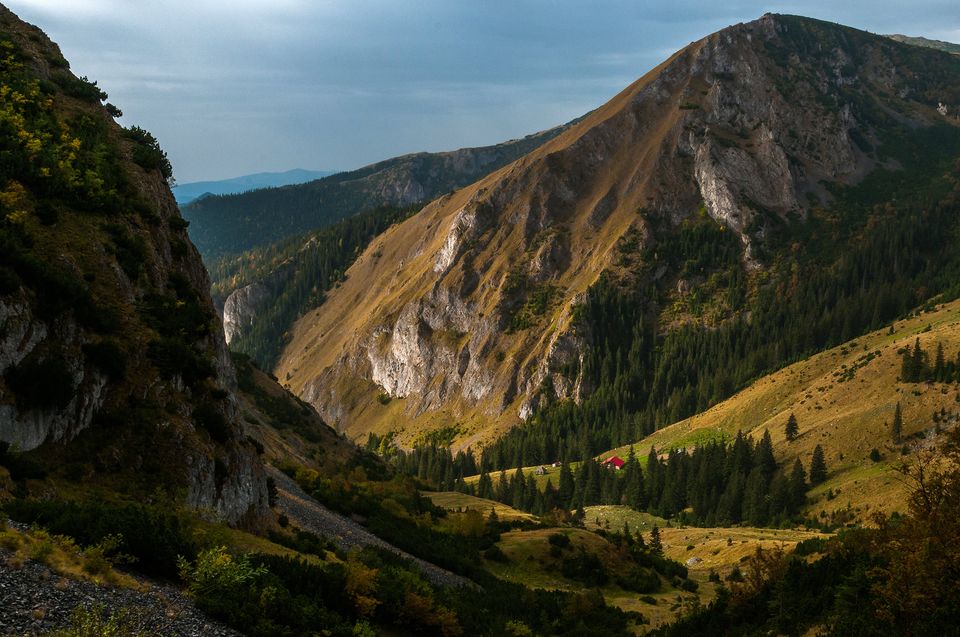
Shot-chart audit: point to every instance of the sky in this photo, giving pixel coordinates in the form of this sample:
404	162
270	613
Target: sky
232	87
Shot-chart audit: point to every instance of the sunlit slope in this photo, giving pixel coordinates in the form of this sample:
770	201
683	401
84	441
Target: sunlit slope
844	400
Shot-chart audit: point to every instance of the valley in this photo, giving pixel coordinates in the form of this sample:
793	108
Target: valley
686	365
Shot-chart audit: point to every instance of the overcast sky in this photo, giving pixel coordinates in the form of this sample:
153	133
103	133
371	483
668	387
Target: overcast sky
239	86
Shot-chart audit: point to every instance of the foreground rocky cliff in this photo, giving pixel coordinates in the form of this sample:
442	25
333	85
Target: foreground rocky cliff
467	313
113	363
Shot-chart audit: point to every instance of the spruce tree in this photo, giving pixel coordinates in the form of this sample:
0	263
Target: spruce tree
792	429
818	466
656	545
939	366
798	486
896	429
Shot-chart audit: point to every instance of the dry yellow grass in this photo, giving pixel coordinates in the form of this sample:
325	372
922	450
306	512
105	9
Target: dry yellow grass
62	556
455	501
324	360
530	564
848	417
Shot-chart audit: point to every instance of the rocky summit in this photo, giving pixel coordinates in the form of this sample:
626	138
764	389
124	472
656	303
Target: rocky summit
468	311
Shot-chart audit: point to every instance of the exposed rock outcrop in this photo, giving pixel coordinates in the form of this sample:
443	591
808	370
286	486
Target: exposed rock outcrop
112	358
467	310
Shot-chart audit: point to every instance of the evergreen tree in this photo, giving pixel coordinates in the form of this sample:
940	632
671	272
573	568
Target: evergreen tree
763	455
656	545
939	366
798	486
896	429
792	428
818	465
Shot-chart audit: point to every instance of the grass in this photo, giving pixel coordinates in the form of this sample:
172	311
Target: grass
531	564
61	555
455	501
847	418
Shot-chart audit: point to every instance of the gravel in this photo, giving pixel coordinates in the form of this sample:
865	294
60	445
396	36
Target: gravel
308	514
34	599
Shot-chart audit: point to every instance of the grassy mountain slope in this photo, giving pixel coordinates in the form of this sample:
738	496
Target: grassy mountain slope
939	45
230	224
737	173
844	400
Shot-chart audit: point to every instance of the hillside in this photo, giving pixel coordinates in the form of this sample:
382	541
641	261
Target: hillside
939	45
184	193
114	369
231	224
844	399
629	272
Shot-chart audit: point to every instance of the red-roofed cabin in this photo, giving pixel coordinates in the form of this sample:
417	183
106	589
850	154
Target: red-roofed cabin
614	461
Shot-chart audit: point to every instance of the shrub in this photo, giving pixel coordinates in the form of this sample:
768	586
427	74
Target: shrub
495	554
92	623
172	357
152	535
875	455
79	87
147	152
560	540
218	581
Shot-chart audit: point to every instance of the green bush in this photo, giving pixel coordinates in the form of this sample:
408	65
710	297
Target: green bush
153	535
79	87
147	152
173	357
92	623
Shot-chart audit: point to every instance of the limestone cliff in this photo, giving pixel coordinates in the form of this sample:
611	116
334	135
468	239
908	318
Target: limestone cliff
467	312
113	363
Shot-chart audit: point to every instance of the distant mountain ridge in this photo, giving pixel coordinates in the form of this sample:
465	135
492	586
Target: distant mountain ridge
188	192
939	45
230	224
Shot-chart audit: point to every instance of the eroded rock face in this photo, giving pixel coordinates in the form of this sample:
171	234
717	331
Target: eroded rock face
746	125
241	308
121	342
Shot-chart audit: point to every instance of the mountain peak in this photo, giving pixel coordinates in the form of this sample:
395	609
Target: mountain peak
469	309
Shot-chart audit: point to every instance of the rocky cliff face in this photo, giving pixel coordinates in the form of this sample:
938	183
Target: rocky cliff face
467	311
112	359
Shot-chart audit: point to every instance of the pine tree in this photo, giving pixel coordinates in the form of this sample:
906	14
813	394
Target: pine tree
896	429
792	429
763	455
798	486
818	466
656	545
939	366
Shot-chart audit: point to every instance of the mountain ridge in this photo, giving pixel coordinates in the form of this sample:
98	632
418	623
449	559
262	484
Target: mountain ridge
187	192
226	225
718	128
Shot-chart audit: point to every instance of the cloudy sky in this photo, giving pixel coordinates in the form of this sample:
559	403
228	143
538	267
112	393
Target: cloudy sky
239	86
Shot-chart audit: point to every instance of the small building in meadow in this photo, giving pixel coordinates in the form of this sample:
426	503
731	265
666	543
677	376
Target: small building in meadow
616	462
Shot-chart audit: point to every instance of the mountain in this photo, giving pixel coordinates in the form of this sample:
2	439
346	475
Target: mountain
185	193
939	45
768	191
230	224
115	374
